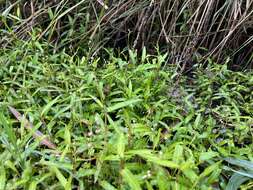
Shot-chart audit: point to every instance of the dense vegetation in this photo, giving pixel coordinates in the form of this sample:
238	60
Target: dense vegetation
130	94
126	124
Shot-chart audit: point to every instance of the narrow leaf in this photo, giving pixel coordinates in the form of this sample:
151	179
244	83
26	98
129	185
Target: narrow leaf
243	163
122	105
235	181
48	106
107	186
2	178
121	145
59	176
130	179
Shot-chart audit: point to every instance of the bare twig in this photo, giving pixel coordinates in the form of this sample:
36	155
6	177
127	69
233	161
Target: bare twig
101	2
37	134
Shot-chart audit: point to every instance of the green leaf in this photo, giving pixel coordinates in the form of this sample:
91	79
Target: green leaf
235	181
149	186
59	176
133	56
242	163
143	54
247	173
7	128
33	185
67	135
85	172
210	169
97	101
48	106
207	155
68	184
130	179
190	174
121	145
146	154
107	186
157	139
113	124
178	153
122	105
2	178
197	121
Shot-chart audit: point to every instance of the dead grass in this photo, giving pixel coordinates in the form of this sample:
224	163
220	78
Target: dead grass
188	29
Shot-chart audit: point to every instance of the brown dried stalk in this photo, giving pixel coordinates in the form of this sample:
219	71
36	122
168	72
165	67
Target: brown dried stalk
101	2
37	134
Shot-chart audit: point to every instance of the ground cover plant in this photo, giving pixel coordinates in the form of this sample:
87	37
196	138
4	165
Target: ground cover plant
126	94
128	124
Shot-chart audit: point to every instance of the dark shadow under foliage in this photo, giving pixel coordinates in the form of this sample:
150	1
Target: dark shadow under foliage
190	31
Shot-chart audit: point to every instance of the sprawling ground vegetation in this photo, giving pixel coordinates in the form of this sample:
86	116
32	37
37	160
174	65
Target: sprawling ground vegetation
187	30
152	94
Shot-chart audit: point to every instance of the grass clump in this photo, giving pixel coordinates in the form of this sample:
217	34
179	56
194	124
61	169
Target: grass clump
125	125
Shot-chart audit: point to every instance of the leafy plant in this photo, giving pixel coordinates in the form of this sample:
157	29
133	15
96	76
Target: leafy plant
129	124
245	173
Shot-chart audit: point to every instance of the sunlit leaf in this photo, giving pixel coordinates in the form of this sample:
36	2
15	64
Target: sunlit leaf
130	179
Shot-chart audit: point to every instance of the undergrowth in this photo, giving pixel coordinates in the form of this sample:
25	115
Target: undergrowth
130	124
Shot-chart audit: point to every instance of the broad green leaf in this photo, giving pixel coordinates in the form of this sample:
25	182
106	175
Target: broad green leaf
197	121
190	174
107	186
235	181
146	154
242	163
2	178
122	105
207	155
141	129
130	179
247	173
62	165
112	158
67	135
162	179
178	154
68	184
85	172
214	177
121	145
